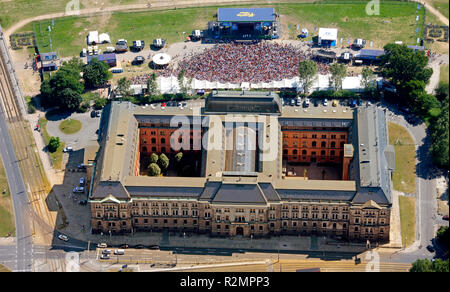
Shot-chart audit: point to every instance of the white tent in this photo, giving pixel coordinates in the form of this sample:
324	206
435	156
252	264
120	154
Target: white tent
328	34
104	38
93	37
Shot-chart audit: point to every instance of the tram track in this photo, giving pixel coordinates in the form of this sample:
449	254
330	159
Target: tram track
13	107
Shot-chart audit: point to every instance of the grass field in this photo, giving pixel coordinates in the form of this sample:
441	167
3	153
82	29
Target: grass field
404	177
408	219
70	126
396	22
55	157
6	211
443	76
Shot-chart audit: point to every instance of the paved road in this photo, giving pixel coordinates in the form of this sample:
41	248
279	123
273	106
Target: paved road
19	199
426	203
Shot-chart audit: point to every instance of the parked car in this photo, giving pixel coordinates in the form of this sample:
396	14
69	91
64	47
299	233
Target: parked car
78	190
154	246
138	60
123	246
63	237
121	46
81	166
68	149
292	102
334	103
119	252
83	202
105	257
325	102
316	103
298	101
106	251
138	45
430	248
102	245
82	181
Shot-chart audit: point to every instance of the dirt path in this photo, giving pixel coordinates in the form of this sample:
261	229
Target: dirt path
434	11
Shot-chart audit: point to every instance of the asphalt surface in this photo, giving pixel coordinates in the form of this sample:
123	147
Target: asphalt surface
19	197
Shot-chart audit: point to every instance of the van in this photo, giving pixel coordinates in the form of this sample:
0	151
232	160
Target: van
119	252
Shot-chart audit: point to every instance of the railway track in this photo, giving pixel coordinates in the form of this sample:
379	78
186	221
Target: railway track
13	107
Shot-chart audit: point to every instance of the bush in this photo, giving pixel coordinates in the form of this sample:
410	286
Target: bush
154	170
154	158
163	161
83	107
53	144
99	103
334	94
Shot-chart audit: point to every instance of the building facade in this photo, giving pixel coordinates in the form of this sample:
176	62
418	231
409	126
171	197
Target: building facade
239	192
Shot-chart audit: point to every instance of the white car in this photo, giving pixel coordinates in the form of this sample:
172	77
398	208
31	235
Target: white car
102	245
105	256
78	190
68	149
106	251
325	102
82	182
119	252
63	237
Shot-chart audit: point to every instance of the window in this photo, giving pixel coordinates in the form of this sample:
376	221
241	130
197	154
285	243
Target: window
163	140
218	226
153	140
323	144
333	144
155	221
324	225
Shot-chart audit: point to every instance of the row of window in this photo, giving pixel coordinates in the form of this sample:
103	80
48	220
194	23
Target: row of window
314	136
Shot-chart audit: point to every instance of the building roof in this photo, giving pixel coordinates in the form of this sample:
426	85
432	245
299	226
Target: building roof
372	164
373	168
243	102
239	194
49	56
103	57
246	14
370	54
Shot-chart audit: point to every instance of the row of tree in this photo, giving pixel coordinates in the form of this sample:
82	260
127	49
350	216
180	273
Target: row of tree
64	88
407	70
308	75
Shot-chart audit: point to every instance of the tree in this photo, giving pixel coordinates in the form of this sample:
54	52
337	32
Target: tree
75	64
69	99
338	73
53	144
123	87
307	73
182	83
401	64
154	170
441	91
178	157
65	83
368	78
163	162
426	265
421	266
154	158
95	74
439	129
152	85
443	235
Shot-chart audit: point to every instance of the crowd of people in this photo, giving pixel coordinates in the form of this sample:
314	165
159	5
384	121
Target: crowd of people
236	63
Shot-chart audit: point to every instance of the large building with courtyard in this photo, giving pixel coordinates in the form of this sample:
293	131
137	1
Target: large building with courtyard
249	167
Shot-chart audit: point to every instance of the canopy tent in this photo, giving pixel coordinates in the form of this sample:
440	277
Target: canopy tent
322	82
93	37
327	36
104	38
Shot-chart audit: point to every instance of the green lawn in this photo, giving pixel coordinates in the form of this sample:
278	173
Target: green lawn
6	212
404	176
70	126
408	219
396	22
55	157
443	77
